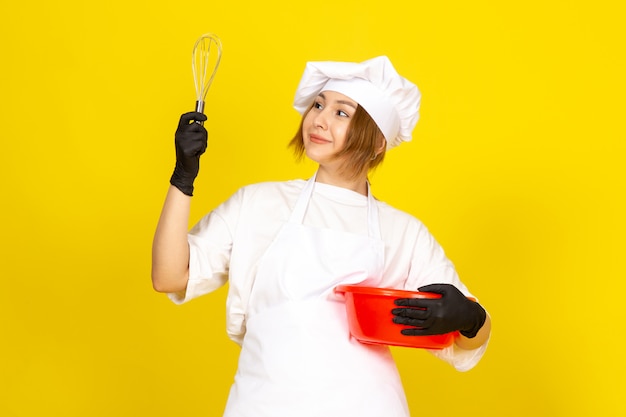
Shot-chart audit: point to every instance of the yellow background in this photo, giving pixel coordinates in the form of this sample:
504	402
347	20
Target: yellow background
516	167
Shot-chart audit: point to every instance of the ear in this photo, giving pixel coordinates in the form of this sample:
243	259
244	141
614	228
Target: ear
381	145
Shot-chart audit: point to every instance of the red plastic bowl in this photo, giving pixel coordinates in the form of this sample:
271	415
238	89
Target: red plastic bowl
370	318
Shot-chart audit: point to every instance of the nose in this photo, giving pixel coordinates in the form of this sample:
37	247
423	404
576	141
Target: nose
319	119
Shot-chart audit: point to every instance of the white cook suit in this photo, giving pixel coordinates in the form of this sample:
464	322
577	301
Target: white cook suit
283	246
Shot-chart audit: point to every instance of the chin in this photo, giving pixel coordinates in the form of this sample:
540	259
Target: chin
312	156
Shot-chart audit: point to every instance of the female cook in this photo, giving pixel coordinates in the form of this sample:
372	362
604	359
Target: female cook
284	246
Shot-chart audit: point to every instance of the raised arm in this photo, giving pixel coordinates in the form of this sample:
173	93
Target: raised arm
170	250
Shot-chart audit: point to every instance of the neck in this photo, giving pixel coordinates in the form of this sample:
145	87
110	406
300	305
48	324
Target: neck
332	177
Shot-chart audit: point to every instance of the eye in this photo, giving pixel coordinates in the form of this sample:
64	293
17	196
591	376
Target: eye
342	113
317	105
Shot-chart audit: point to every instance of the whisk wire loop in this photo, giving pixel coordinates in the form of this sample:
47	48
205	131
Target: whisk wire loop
203	63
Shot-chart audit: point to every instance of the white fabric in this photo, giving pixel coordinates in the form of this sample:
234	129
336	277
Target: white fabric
227	243
297	358
390	99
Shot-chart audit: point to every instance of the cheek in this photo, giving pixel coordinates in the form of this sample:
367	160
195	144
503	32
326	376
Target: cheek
307	121
340	133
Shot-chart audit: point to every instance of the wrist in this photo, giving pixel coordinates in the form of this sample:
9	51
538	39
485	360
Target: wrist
182	183
479	316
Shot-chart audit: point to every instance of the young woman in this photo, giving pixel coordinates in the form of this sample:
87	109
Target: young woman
284	246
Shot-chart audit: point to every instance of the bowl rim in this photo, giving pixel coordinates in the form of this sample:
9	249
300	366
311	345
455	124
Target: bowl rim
387	292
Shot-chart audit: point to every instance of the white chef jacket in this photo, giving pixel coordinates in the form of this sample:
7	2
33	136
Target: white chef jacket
226	245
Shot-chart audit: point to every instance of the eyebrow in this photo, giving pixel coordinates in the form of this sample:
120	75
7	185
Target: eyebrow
347	103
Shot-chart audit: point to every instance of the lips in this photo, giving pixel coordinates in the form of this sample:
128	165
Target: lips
318	139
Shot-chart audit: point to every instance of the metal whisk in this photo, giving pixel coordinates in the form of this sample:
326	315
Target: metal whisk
206	55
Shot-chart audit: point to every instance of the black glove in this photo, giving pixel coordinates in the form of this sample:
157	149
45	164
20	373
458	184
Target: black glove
191	142
452	312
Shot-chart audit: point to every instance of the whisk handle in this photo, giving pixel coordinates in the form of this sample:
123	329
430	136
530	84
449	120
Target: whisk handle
200	109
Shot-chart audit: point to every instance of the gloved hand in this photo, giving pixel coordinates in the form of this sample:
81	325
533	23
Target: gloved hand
191	142
452	312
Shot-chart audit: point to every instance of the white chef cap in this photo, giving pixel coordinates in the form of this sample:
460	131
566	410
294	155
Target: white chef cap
391	100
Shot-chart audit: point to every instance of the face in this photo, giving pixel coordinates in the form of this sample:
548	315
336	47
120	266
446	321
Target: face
325	127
